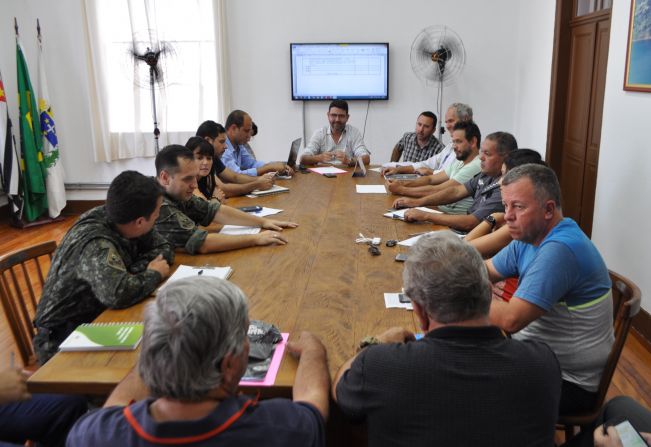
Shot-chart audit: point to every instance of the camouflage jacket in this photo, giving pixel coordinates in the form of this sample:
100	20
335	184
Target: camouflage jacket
95	268
179	222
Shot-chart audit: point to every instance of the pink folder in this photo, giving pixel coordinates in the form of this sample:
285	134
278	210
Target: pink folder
270	378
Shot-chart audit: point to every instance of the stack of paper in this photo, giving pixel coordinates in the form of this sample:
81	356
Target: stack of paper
393	300
328	170
189	271
412	240
275	189
238	230
371	189
266	212
400	214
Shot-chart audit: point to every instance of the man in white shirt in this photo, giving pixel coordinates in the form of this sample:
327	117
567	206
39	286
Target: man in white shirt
455	113
336	142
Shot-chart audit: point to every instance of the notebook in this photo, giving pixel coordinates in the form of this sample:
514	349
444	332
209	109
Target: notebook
104	337
275	189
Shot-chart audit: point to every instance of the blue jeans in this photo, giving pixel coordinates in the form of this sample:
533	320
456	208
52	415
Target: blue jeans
45	418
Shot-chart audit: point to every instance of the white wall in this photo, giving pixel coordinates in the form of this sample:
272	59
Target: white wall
491	32
503	78
533	73
621	215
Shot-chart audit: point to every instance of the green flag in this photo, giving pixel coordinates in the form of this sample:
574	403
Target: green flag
31	143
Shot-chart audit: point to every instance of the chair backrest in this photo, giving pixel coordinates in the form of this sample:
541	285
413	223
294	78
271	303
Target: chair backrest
626	305
22	275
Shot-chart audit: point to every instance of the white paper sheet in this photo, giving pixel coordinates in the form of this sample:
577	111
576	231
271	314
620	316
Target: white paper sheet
328	170
412	240
391	300
371	189
188	271
378	169
266	212
400	214
237	230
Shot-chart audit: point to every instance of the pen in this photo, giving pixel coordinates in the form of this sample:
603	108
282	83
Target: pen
417	234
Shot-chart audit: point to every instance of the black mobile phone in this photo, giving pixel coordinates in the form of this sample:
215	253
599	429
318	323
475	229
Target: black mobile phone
403	298
330	175
251	209
401	257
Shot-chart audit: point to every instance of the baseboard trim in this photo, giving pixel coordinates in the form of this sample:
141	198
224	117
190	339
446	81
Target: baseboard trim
80	206
73	207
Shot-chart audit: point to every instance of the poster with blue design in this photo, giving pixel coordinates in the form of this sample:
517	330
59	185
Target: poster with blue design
638	55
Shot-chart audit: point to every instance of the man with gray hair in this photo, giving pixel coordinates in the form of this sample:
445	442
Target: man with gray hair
443	157
419	392
194	353
564	291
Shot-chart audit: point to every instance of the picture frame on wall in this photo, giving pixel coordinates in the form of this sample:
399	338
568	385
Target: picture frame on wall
638	54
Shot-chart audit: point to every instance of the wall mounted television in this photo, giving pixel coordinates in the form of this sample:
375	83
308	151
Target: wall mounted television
326	71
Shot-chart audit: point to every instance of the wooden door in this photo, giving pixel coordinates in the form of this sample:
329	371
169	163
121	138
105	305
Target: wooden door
576	108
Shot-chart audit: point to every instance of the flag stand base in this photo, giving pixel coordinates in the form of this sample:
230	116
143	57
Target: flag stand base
20	223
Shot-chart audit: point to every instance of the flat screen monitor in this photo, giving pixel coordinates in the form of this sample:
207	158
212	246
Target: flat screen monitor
326	71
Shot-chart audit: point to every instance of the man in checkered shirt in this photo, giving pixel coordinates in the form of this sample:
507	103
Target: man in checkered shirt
421	144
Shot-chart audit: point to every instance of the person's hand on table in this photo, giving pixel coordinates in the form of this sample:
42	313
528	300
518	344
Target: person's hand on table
287	170
394	186
278	225
325	157
389	171
306	342
13	386
424	171
160	265
405	202
270	237
414	215
265	181
219	195
396	335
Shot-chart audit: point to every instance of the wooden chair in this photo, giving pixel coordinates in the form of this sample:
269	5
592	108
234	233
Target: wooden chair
22	275
626	304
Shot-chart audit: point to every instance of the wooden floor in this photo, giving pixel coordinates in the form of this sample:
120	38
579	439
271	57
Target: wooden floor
632	378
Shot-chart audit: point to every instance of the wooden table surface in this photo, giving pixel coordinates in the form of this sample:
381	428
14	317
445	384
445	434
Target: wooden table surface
321	281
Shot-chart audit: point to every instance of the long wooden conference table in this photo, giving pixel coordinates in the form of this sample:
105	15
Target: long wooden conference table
321	281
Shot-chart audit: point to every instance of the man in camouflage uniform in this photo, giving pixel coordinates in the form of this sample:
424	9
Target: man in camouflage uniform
111	258
182	212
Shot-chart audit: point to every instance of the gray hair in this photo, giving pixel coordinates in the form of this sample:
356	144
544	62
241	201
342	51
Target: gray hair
505	142
463	111
544	181
448	278
189	329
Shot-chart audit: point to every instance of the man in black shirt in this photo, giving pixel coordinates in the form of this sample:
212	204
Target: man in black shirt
463	383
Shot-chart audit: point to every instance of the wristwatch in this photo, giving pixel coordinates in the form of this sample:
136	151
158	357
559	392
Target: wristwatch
491	220
368	341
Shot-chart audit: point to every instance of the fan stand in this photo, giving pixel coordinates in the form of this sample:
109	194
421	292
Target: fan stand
151	59
153	107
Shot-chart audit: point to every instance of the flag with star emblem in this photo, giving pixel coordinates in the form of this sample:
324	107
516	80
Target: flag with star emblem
31	163
56	193
9	173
